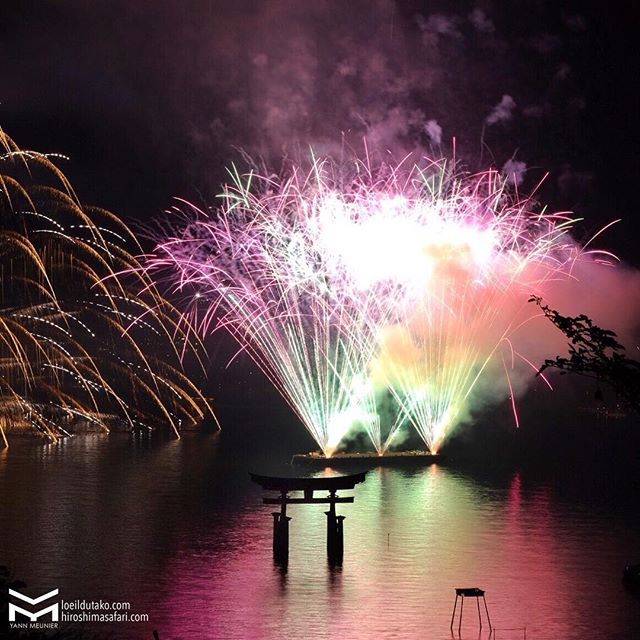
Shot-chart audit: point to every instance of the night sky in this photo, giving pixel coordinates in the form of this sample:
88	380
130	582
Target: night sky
152	100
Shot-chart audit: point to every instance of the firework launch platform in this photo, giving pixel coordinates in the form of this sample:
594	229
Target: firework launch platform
318	460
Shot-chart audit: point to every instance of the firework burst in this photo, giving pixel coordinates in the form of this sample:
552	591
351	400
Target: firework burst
80	344
345	287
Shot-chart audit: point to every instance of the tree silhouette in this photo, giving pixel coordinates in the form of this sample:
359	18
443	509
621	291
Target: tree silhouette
594	353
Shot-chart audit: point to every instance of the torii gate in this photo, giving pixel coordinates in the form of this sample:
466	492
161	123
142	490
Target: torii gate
335	544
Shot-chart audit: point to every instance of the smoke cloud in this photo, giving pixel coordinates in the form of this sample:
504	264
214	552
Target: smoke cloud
177	88
514	171
503	111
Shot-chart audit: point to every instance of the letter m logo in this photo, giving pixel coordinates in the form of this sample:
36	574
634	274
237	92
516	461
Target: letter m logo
52	609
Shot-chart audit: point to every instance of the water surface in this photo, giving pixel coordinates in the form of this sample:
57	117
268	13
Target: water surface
177	529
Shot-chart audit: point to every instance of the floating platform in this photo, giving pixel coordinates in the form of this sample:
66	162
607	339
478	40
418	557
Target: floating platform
367	458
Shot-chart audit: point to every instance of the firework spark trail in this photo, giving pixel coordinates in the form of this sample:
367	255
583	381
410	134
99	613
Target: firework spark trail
74	334
466	259
310	333
341	288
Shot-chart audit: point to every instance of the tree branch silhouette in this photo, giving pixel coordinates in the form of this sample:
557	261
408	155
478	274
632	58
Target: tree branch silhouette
594	353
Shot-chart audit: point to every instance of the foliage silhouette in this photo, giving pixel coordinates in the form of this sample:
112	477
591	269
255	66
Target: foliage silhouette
594	353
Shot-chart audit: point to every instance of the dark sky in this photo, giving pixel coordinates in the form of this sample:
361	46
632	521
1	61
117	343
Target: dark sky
152	99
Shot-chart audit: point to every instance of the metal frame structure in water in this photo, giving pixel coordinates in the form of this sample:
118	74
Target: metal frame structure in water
470	592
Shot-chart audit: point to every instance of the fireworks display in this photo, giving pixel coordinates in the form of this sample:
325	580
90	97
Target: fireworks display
369	300
85	339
